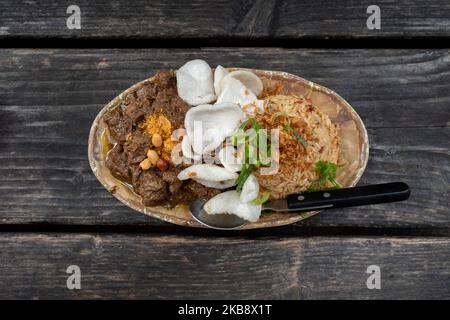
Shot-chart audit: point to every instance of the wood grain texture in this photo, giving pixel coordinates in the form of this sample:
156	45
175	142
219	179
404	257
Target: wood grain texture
49	98
171	267
402	18
204	19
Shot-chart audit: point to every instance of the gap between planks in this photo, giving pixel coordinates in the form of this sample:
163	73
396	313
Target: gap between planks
332	42
289	231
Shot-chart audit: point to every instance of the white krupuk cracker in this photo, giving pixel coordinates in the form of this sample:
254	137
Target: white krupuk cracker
207	171
235	92
228	202
219	74
229	159
195	83
248	79
250	189
207	126
217	184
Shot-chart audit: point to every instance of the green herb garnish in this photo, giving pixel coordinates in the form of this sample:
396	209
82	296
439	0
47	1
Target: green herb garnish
246	171
246	123
238	137
255	125
261	199
251	145
267	213
327	175
288	128
280	114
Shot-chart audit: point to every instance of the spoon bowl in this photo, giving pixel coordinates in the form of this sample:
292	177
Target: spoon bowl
214	221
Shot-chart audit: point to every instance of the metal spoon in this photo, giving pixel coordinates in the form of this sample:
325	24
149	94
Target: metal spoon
339	198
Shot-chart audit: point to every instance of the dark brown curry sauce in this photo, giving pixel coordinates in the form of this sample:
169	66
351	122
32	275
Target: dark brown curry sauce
128	142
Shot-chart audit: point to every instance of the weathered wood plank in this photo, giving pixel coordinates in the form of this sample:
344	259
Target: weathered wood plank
33	266
203	19
48	99
381	84
398	18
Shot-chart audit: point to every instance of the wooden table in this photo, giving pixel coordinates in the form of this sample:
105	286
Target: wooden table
54	213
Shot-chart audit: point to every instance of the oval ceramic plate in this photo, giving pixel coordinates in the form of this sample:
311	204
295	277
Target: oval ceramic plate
354	150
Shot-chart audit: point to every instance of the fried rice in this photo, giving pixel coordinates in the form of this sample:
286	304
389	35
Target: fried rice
296	161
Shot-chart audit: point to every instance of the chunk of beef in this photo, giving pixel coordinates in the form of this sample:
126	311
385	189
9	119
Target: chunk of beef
200	191
166	79
170	176
129	99
182	196
138	104
136	147
134	113
119	126
146	95
135	171
167	99
151	187
173	106
116	162
174	187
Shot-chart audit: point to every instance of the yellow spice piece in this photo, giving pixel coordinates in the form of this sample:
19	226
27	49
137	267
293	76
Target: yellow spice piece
157	124
157	140
159	129
145	164
152	156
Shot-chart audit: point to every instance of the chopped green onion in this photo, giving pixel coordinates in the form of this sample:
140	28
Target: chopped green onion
243	175
251	145
261	199
280	114
244	124
287	127
255	125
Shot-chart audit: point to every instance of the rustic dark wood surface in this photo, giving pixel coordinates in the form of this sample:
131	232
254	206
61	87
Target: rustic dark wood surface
224	19
191	267
54	213
50	98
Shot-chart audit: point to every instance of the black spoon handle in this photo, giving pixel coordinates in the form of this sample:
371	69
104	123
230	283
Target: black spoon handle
349	197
